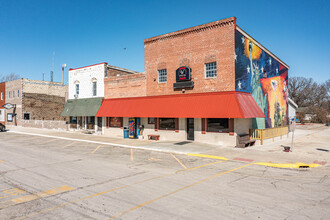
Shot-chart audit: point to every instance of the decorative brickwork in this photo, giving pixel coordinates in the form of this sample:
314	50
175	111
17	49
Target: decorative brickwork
133	85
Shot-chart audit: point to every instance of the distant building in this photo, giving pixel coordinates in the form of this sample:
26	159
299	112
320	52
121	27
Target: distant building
2	102
38	103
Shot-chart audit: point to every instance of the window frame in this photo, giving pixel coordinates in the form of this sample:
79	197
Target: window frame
150	122
206	70
108	122
29	116
94	88
159	124
160	76
1	95
77	89
207	126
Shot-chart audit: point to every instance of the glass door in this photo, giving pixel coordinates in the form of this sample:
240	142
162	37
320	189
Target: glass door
190	129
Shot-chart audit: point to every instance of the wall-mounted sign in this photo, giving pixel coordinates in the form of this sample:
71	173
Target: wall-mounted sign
183	73
8	106
9	117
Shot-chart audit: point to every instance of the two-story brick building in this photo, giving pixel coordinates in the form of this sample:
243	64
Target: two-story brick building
207	83
37	103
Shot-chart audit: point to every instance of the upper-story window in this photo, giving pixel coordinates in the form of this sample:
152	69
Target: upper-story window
13	94
94	88
8	94
211	70
162	75
17	93
1	95
77	89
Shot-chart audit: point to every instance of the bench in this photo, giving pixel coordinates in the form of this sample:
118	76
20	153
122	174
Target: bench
243	141
153	137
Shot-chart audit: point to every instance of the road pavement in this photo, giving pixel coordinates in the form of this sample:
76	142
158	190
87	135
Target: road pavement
53	178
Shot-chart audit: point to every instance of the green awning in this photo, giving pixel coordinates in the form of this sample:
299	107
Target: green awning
82	107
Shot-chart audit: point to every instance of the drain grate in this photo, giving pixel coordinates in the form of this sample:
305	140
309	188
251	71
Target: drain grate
182	143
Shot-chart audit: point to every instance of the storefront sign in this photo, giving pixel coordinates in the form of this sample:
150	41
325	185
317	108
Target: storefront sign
183	73
116	122
8	106
9	117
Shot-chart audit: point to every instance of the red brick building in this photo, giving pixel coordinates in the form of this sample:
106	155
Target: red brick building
2	102
194	88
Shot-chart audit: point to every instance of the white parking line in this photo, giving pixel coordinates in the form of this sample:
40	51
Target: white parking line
99	142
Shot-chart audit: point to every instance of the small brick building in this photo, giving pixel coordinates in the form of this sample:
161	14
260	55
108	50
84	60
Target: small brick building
38	103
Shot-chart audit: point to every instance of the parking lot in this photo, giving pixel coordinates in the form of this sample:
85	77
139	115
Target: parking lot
51	178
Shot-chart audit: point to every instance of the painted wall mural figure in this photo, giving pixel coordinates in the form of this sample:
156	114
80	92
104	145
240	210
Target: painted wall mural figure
265	78
257	92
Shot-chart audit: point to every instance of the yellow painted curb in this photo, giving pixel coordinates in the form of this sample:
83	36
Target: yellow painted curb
207	156
289	165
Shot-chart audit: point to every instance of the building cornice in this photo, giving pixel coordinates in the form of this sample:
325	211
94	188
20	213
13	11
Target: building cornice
87	66
195	29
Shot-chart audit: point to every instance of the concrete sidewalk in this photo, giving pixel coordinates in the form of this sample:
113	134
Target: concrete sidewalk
311	145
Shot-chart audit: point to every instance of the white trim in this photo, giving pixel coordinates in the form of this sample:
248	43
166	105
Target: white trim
293	103
262	47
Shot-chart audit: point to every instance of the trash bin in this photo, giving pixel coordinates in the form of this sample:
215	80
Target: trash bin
126	132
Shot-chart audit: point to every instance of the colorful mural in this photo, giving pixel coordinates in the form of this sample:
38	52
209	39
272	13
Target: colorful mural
265	78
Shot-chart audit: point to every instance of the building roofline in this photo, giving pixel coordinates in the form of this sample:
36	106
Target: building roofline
198	28
261	46
87	66
123	69
292	102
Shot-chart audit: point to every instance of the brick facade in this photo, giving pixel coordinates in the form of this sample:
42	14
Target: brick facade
44	101
133	85
193	47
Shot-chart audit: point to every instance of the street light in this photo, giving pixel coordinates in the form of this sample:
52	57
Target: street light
63	66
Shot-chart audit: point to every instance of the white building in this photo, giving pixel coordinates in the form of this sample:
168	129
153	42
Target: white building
86	92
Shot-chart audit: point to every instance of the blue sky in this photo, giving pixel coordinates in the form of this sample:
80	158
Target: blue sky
88	32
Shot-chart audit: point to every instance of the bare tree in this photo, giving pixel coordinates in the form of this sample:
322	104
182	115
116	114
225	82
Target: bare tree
9	77
307	93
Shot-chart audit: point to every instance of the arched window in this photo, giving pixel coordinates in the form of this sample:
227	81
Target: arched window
77	86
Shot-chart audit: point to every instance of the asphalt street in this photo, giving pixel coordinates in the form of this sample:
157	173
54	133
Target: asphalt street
49	178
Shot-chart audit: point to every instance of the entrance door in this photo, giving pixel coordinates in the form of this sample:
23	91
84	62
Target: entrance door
190	129
99	123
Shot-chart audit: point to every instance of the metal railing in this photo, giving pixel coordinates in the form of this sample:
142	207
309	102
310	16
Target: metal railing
263	134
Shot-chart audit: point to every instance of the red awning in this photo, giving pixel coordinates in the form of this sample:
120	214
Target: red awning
200	105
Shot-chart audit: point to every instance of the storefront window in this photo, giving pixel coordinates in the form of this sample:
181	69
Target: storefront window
73	120
116	122
217	125
167	124
151	120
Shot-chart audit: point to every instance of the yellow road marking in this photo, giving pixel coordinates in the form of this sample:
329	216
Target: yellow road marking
179	161
207	156
289	165
96	149
178	190
49	141
41	194
1	161
110	190
68	145
200	166
131	154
